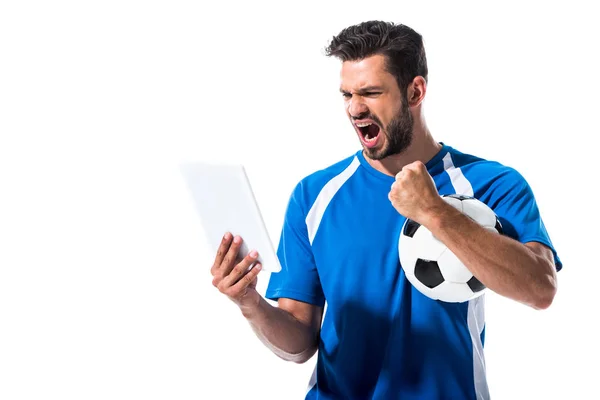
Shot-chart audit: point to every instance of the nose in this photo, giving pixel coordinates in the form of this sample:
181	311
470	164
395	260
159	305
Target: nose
357	108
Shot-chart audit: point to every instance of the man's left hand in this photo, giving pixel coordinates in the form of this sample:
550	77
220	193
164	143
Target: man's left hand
414	194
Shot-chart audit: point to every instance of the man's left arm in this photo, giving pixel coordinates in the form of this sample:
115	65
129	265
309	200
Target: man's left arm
524	272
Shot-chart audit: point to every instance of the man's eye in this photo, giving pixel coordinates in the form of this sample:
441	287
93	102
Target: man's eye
372	94
346	95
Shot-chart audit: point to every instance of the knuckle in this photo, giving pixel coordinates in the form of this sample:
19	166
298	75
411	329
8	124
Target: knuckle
249	277
222	249
245	266
222	288
238	270
228	259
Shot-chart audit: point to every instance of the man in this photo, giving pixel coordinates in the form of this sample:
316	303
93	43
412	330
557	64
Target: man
380	338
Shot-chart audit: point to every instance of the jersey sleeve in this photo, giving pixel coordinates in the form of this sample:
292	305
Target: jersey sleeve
298	278
515	205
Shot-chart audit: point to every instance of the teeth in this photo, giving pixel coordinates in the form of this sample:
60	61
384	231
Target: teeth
364	125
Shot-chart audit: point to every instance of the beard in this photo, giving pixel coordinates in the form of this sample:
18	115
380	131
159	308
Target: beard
398	134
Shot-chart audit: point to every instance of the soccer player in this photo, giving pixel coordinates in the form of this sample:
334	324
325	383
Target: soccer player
342	291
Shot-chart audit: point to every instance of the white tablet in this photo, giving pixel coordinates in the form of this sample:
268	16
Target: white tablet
225	202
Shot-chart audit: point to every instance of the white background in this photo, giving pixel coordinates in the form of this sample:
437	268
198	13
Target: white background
105	290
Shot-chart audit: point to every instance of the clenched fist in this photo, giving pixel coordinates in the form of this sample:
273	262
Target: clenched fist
414	194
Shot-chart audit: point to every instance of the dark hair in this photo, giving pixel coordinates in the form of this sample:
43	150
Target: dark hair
402	47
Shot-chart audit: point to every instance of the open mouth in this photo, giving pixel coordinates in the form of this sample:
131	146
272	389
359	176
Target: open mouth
369	132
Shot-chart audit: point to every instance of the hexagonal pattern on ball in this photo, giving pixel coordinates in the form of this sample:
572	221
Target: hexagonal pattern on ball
427	246
422	244
475	285
479	212
410	228
452	268
454	201
453	292
428	273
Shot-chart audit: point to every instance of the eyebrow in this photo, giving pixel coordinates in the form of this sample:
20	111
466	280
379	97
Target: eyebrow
365	89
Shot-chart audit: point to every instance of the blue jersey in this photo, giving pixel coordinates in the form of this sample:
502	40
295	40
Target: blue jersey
380	337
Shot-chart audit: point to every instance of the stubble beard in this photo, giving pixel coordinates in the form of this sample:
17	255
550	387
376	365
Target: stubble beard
398	135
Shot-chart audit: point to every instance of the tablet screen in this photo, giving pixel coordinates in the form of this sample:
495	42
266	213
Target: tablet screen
223	197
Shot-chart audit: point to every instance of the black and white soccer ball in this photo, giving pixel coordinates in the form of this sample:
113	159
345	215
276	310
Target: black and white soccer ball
431	267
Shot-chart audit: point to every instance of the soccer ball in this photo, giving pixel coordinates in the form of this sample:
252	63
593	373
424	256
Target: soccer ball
431	267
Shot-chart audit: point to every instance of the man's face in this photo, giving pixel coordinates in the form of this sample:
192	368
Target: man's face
376	107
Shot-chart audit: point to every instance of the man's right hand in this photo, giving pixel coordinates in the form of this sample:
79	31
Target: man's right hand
290	330
231	276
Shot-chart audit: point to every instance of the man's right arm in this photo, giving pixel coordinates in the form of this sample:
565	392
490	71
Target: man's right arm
290	330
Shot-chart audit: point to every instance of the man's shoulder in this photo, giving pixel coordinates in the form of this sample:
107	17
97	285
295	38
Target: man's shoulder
309	187
332	170
482	168
489	179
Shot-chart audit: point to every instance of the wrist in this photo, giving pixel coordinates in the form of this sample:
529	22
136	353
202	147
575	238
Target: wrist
250	306
438	216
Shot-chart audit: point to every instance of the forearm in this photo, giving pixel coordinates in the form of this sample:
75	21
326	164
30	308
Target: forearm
282	333
502	264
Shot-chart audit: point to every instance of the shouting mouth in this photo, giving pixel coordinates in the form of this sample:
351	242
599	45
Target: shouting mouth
369	133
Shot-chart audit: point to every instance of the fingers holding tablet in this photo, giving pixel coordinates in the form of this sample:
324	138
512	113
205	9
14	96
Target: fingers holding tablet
231	270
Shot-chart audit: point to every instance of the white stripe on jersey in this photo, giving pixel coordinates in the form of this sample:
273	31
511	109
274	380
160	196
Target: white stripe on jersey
313	219
475	313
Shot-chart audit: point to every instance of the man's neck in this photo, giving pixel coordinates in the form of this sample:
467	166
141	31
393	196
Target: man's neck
423	148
